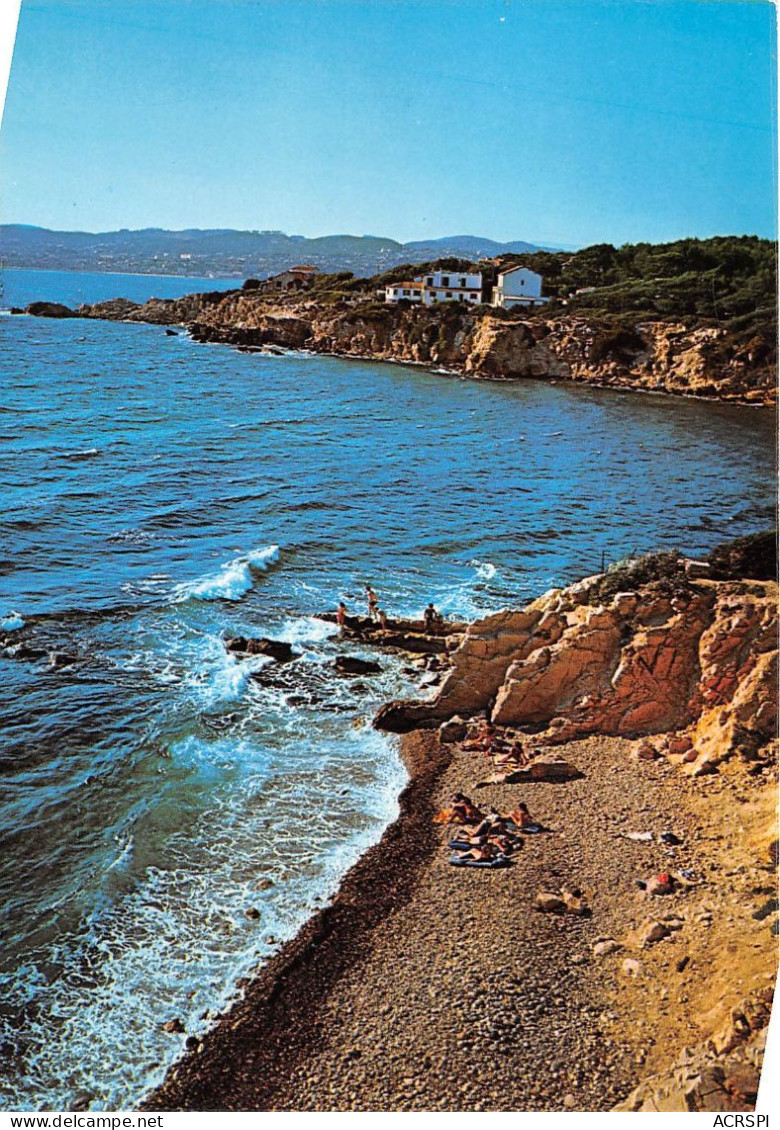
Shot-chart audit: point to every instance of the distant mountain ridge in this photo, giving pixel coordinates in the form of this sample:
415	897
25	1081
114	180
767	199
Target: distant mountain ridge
227	252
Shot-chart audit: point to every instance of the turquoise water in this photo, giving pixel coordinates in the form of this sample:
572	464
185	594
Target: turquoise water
160	494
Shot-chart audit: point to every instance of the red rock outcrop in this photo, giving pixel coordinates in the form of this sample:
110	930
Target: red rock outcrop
695	659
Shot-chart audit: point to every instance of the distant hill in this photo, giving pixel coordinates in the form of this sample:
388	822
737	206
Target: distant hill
224	252
473	246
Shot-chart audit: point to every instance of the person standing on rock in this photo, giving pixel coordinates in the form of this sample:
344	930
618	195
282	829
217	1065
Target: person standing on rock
341	615
373	602
431	617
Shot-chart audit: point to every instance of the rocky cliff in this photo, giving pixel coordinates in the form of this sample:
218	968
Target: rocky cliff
657	356
689	660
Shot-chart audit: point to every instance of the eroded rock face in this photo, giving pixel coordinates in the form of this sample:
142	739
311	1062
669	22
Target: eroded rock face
699	660
656	356
509	350
721	1074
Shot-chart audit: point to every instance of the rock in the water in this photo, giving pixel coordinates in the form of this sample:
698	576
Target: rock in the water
351	665
399	717
276	649
432	679
175	1026
50	310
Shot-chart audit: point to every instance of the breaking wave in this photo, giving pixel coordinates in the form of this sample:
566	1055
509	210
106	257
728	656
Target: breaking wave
233	579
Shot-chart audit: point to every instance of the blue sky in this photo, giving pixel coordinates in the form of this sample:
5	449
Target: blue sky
565	121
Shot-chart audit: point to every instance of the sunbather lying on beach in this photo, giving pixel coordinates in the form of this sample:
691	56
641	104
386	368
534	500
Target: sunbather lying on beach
481	852
520	816
492	824
502	839
464	812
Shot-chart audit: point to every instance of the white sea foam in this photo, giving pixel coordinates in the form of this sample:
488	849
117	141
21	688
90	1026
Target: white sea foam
229	680
84	453
307	629
262	558
486	570
11	621
233	579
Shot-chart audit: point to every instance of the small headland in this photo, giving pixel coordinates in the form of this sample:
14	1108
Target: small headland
692	318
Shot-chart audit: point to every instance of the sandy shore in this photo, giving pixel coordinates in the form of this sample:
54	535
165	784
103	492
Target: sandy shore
426	987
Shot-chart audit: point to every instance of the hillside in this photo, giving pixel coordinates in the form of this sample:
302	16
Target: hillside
222	251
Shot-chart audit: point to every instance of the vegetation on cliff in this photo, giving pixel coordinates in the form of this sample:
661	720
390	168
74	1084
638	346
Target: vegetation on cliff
695	317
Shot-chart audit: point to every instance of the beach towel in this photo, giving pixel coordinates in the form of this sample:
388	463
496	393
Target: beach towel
490	864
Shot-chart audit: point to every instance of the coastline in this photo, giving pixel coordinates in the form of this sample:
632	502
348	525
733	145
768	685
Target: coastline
424	987
429	987
276	1011
477	378
674	359
118	274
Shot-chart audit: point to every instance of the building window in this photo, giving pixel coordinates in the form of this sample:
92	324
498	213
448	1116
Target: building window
449	294
406	292
429	282
445	280
463	282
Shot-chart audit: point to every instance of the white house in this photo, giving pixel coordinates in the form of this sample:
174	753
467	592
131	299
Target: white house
518	286
452	286
295	278
441	286
411	291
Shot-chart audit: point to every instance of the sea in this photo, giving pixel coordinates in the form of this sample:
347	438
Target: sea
171	814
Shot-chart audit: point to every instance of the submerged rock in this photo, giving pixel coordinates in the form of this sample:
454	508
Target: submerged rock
351	665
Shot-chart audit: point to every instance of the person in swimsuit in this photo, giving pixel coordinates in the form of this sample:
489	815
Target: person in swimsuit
463	811
373	602
341	615
431	618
